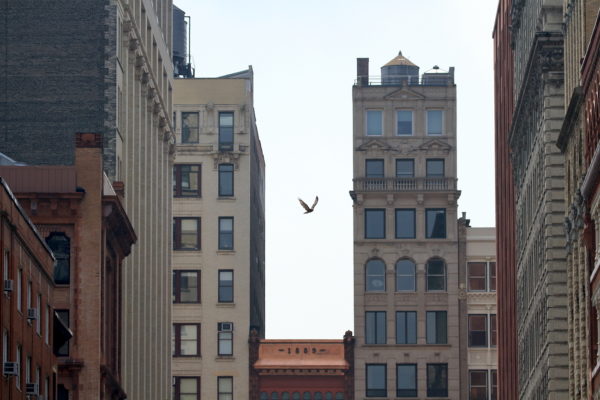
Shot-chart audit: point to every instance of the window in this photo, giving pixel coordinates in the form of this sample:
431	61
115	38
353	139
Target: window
436	275
375	274
435	168
374	223
190	127
477	330
492	283
405	223
406	327
375	327
405	122
225	233
225	286
225	180
374	123
339	396
225	131
376	380
405	168
405	276
493	330
28	370
186	340
5	346
19	360
29	294
494	384
19	289
38	320
63	350
60	245
5	266
476	276
47	325
406	380
264	396
437	327
437	380
186	180
186	388
225	338
435	120
435	223
186	286
306	396
225	387
478	385
186	233
374	168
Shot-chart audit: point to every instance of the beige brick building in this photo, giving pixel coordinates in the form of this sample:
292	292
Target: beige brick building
407	309
218	219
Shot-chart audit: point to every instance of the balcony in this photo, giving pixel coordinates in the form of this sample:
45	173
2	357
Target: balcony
404	184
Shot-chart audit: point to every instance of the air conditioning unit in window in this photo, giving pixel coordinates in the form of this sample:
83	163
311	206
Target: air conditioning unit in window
225	326
31	389
32	313
10	368
8	285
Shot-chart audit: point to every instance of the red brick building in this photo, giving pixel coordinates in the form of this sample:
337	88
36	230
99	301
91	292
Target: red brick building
26	305
302	369
79	214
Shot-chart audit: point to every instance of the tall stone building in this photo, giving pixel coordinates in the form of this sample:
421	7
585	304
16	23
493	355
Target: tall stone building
218	257
103	66
409	313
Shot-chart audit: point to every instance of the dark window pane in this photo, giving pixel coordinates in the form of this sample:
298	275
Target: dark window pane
64	317
436	275
375	276
437	327
225	180
492	329
405	168
188	292
225	233
374	168
406	380
478	385
186	234
435	168
405	223
494	383
436	223
476	275
406	327
405	276
404	119
375	327
477	330
225	286
225	131
492	276
189	127
437	380
376	380
186	180
434	122
374	123
374	224
60	245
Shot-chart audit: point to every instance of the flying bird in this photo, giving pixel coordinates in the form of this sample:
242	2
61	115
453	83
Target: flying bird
306	207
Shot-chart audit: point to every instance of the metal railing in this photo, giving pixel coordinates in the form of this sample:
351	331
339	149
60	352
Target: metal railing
404	184
430	80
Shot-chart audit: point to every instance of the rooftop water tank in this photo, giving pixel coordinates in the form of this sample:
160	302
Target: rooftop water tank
399	69
179	34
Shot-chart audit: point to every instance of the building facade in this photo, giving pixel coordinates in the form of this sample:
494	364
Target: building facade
81	218
26	305
301	369
408	314
218	262
104	66
480	285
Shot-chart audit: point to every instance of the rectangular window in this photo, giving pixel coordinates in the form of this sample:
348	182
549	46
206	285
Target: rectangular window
225	233
19	288
186	233
478	386
47	325
225	338
435	120
376	380
375	327
225	131
38	320
435	275
494	384
476	275
225	286
492	284
5	266
406	380
29	294
477	330
186	388
374	223
28	370
225	180
186	286
405	223
63	351
437	380
374	168
435	168
186	180
374	123
225	388
437	327
435	223
405	168
20	368
186	340
5	346
406	327
190	127
493	330
405	122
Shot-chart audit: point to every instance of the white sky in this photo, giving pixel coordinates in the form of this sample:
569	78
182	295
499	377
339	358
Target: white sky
304	54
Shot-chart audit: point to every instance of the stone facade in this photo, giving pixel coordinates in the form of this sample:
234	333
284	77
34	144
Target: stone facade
104	66
219	179
409	307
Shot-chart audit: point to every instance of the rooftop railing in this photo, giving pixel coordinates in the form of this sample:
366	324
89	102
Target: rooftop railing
404	184
424	80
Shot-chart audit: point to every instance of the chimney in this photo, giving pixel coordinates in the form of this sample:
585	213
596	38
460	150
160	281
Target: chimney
362	71
451	73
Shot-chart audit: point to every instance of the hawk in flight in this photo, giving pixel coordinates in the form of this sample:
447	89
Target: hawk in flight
306	207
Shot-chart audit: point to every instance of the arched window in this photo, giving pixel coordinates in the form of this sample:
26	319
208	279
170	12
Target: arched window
375	276
436	275
318	396
275	396
328	396
296	396
285	396
264	396
339	396
306	396
405	276
60	245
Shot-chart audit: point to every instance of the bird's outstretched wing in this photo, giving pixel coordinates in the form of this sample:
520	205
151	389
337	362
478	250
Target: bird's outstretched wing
315	203
303	204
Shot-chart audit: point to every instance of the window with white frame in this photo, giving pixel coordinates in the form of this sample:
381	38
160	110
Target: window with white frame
481	276
225	338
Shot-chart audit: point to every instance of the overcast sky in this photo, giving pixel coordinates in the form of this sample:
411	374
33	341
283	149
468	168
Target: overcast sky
304	58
